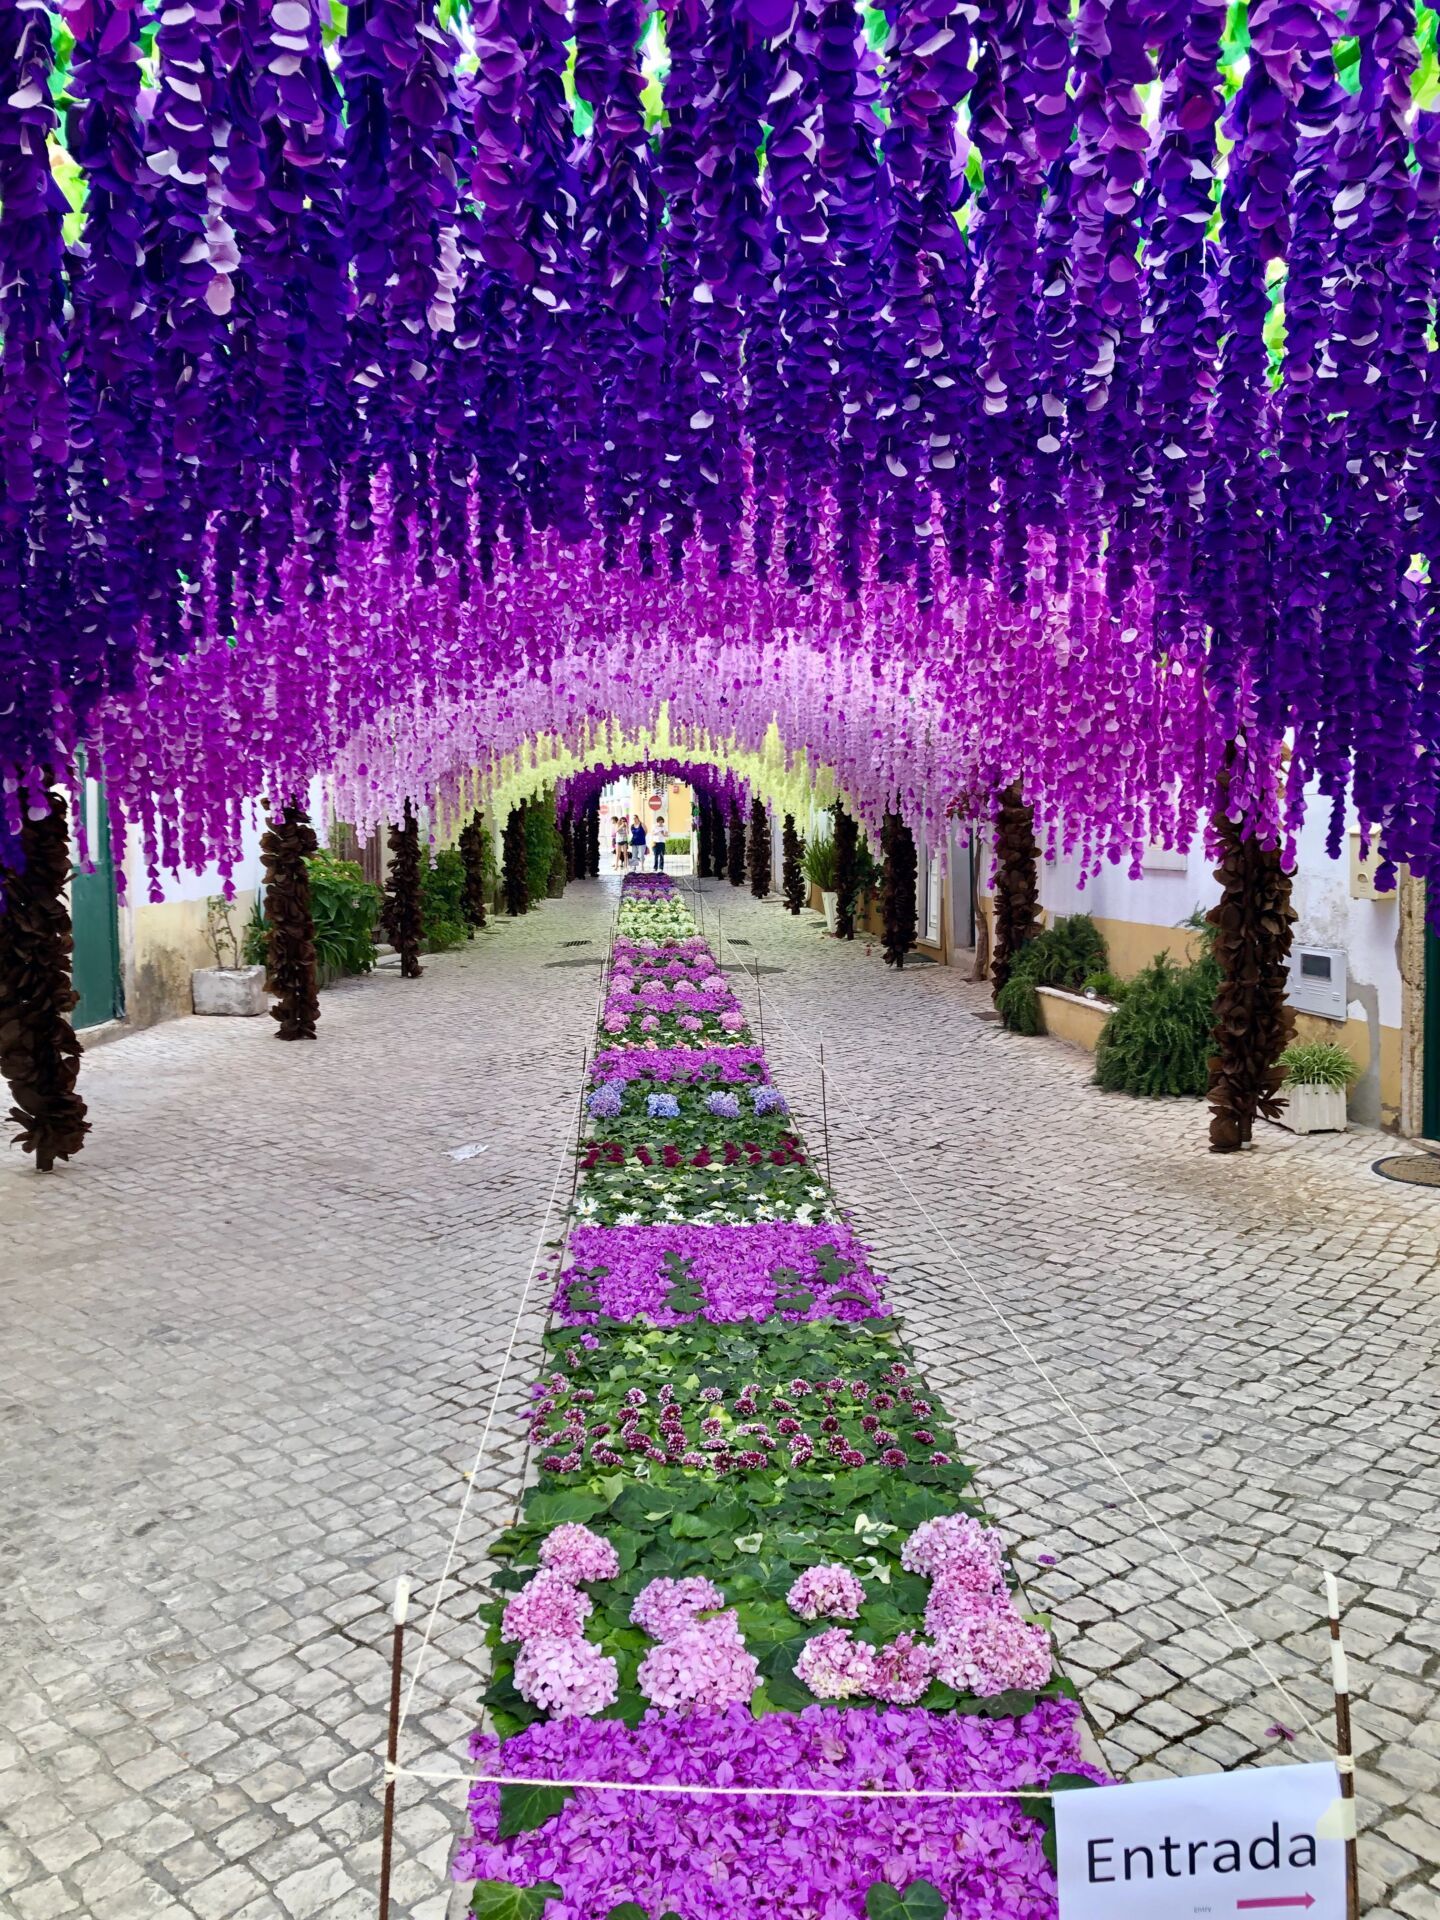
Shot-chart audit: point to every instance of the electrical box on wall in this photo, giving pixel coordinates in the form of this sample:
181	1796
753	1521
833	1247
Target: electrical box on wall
1317	981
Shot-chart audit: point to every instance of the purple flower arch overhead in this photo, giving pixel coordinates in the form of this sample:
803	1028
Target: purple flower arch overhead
1053	367
574	793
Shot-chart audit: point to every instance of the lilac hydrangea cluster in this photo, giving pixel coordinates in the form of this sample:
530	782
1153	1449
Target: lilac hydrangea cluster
605	1102
557	1669
662	1106
828	1590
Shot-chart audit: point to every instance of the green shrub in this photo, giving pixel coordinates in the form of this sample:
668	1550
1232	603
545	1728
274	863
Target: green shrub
1318	1063
820	862
344	907
1106	985
255	947
1158	1041
1071	949
1062	957
442	891
677	843
1018	1005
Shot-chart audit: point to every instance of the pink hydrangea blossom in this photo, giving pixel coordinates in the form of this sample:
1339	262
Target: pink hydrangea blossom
566	1678
904	1668
957	1547
666	1607
577	1554
830	1590
992	1651
836	1666
703	1665
547	1607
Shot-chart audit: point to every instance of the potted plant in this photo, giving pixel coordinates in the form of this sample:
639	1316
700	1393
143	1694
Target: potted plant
229	987
820	872
1317	1074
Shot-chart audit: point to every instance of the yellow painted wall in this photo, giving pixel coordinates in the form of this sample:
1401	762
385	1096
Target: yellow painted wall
161	947
1073	1019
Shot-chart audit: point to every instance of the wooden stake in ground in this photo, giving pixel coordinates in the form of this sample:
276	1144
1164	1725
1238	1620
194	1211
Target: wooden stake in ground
1344	1747
824	1114
39	1053
287	844
403	911
392	1740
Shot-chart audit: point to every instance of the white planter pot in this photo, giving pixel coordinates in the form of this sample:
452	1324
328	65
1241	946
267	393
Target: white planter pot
236	991
1310	1109
830	900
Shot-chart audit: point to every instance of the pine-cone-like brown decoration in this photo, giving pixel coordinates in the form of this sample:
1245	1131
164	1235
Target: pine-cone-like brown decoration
567	847
592	839
472	852
1017	886
735	847
759	849
287	843
897	889
39	1053
403	912
847	848
516	863
704	860
1253	1025
792	867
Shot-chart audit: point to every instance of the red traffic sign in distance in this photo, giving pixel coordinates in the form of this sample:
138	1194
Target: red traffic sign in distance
655	803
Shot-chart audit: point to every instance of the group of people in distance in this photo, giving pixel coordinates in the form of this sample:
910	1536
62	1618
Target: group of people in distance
629	841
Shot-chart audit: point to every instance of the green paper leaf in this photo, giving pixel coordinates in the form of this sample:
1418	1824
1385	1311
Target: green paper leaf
628	1910
524	1808
920	1901
499	1900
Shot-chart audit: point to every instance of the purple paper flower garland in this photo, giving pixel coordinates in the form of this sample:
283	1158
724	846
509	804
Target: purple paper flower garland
671	1681
926	362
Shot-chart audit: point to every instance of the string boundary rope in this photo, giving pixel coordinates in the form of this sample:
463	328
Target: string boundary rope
1082	1427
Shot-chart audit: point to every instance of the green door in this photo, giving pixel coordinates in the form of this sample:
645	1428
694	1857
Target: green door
95	917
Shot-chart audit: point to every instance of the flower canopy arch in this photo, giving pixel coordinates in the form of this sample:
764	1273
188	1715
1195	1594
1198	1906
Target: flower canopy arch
1066	372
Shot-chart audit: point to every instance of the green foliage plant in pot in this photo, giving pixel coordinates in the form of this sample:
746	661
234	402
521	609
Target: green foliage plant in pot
1318	1074
822	871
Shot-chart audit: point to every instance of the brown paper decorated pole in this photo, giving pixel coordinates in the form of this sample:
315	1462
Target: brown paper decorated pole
1344	1748
392	1742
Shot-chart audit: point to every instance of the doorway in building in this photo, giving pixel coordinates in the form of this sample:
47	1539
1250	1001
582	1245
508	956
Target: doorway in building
95	918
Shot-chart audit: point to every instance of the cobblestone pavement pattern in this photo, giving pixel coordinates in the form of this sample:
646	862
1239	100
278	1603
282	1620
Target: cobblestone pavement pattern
251	1335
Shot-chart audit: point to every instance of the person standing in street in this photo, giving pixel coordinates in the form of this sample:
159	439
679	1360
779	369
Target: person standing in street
659	844
637	845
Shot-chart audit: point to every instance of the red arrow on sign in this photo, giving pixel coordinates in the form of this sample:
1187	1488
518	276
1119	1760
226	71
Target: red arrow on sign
1276	1900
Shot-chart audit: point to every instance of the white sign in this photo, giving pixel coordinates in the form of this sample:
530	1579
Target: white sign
1266	1842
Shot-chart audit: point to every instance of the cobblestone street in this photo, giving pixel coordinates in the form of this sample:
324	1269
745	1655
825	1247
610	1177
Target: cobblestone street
252	1333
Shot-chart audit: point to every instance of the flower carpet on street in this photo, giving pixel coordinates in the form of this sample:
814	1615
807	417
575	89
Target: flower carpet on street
752	1555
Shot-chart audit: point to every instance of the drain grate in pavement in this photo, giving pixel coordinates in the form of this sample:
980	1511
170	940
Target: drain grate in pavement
1411	1169
738	943
577	943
